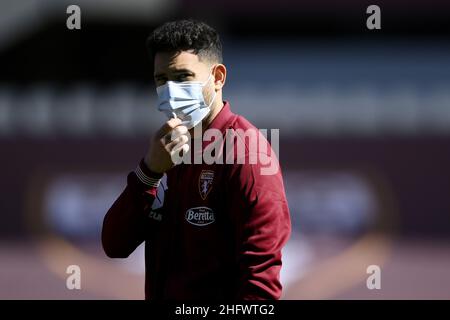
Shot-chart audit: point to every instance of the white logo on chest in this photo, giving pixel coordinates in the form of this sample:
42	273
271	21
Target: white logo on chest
200	216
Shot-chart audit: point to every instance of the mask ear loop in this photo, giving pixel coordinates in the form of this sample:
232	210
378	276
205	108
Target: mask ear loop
212	100
207	80
215	92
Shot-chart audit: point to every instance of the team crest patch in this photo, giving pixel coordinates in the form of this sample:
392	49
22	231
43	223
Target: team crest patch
205	183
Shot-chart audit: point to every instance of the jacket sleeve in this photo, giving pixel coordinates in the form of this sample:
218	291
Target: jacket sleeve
262	227
125	223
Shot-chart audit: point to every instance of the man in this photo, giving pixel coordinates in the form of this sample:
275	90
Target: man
221	227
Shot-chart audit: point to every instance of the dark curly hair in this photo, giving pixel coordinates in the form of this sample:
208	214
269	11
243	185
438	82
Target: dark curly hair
186	35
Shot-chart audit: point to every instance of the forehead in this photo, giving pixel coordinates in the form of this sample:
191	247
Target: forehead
166	61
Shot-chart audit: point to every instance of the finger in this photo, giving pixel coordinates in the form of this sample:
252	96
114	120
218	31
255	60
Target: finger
175	133
178	153
168	126
181	140
184	148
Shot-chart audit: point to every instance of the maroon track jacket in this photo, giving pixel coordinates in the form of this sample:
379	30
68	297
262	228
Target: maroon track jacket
218	234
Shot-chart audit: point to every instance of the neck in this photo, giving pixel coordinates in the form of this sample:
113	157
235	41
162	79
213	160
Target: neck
215	109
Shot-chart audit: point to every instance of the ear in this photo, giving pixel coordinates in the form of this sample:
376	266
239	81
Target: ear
220	76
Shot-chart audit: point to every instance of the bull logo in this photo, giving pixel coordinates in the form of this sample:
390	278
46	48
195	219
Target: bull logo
205	183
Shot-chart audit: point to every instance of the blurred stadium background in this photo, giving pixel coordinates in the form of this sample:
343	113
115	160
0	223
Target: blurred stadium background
364	119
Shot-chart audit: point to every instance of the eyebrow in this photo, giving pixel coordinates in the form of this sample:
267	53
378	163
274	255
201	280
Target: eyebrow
175	71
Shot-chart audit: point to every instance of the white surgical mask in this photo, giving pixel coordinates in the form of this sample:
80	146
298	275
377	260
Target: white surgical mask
185	101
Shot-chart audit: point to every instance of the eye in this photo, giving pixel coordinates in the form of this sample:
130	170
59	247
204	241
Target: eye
184	77
160	81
